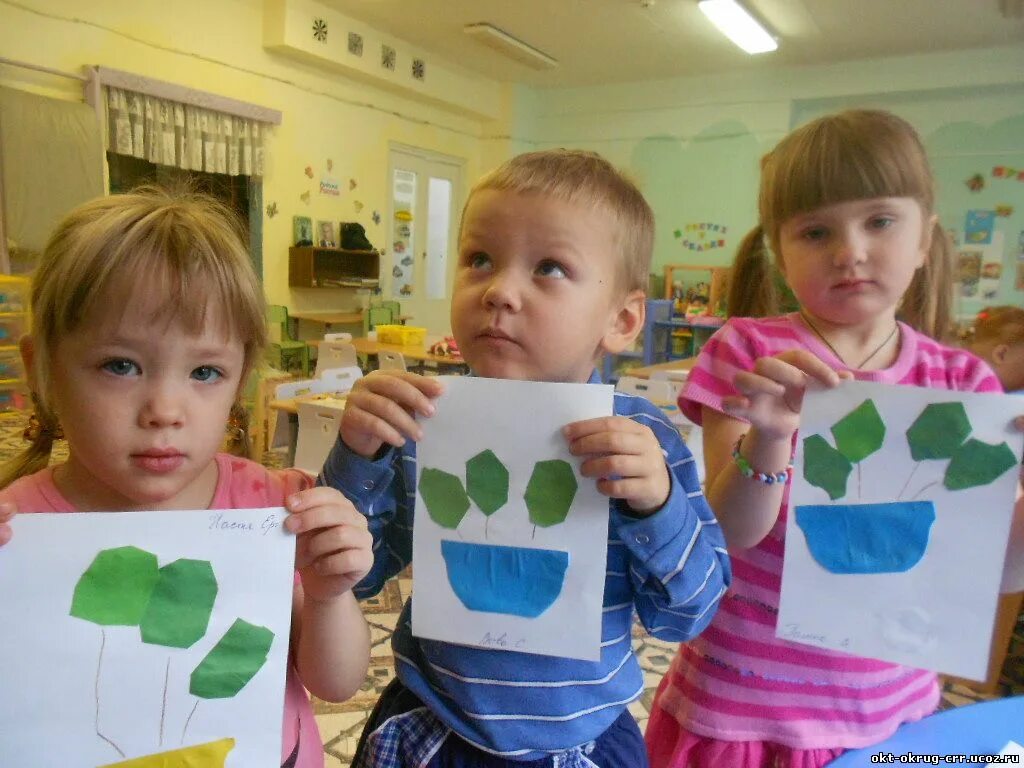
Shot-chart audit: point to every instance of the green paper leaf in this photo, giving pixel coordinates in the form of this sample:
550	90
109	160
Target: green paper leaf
115	588
446	499
977	463
487	482
825	467
938	431
179	608
232	662
550	492
860	433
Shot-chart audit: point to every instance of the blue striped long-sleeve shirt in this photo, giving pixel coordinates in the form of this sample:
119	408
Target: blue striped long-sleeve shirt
671	566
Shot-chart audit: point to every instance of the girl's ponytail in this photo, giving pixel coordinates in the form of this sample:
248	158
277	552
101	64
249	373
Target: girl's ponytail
927	304
43	428
238	442
753	289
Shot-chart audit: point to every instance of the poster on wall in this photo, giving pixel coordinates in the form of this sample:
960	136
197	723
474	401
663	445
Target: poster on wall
403	203
968	272
978	227
988	286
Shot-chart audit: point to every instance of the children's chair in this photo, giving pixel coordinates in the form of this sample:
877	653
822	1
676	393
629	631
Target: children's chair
282	346
390	361
335	354
319	423
376	315
654	390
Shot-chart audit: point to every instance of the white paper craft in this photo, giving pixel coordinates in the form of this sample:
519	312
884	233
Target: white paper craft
914	583
114	681
509	570
1013	750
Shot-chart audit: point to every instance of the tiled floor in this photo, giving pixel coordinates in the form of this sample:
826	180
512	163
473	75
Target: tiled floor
341	724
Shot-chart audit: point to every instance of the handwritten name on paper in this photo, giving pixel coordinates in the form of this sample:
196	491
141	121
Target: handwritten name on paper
502	641
797	634
269	523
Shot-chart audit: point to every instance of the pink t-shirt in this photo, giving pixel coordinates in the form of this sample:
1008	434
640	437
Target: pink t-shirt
737	681
241	484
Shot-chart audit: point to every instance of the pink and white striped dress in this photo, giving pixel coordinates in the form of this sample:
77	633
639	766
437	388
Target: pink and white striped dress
737	682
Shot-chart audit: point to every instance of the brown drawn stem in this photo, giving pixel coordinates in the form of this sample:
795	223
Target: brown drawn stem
163	708
907	484
925	488
96	689
183	730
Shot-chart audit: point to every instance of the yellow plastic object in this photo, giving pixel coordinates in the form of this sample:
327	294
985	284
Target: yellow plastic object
405	335
210	755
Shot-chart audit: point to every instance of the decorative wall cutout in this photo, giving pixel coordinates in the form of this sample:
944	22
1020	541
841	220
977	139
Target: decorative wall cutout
355	43
387	57
419	69
1007	172
702	236
975	183
320	30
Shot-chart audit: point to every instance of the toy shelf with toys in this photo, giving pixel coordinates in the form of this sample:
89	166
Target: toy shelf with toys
13	323
698	308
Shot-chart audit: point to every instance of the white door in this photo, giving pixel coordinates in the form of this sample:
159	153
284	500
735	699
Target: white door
423	224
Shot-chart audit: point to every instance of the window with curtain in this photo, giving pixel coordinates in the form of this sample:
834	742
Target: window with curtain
154	140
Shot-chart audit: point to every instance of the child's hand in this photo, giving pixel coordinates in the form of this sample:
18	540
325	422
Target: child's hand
627	458
380	410
772	394
334	550
7	511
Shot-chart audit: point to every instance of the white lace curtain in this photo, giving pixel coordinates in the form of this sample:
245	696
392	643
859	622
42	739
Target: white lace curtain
170	133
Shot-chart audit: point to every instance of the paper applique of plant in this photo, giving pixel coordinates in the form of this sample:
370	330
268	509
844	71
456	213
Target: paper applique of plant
939	432
549	492
942	432
171	606
857	435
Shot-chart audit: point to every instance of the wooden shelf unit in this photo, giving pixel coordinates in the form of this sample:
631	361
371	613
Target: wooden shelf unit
311	266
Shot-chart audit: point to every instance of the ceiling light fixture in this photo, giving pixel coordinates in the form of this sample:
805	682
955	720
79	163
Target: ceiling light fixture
735	22
510	46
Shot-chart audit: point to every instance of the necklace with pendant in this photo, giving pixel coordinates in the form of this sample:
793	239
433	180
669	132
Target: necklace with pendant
863	362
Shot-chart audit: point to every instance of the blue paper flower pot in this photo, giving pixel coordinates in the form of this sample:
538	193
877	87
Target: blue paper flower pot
511	580
867	538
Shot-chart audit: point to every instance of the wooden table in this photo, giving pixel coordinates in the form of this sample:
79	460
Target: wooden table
416	352
338	318
330	318
672	365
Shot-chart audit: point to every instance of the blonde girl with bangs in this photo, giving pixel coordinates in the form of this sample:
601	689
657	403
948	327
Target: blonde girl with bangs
847	214
146	319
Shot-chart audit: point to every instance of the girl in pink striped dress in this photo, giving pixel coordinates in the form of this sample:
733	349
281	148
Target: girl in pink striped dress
846	206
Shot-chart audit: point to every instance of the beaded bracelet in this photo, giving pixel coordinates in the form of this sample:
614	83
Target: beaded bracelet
768	478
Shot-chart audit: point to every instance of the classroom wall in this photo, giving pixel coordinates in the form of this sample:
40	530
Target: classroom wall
695	143
218	47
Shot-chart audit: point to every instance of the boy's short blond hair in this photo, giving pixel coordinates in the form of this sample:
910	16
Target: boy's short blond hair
585	178
999	325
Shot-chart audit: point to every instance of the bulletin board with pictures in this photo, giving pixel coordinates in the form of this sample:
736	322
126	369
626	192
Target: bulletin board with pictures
983	212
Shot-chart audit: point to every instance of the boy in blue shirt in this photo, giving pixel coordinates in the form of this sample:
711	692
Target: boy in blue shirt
554	253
